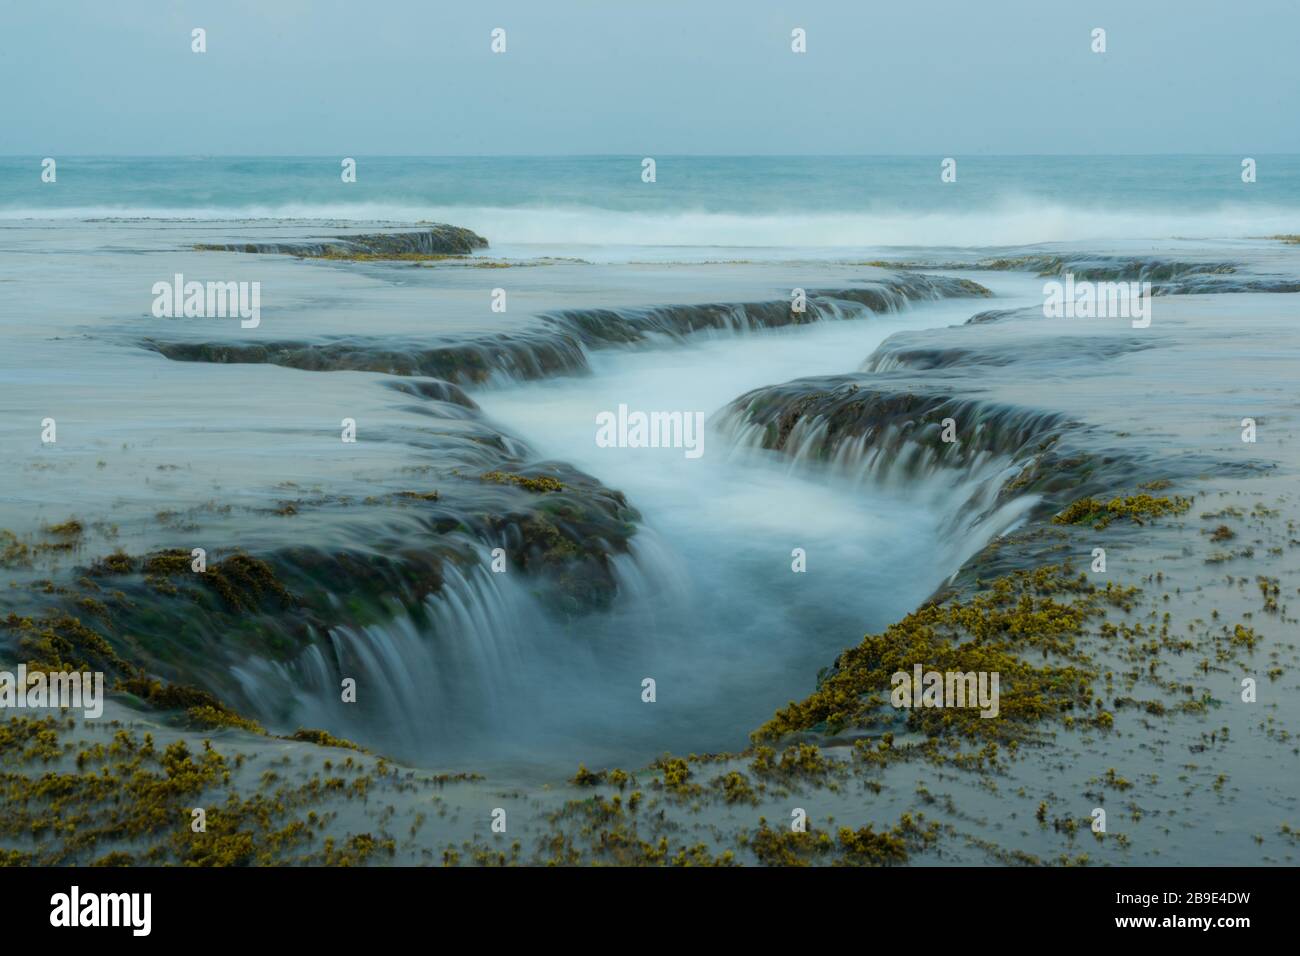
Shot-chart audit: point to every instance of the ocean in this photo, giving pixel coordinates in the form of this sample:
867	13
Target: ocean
698	206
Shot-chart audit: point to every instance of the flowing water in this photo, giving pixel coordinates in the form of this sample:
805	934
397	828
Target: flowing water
727	523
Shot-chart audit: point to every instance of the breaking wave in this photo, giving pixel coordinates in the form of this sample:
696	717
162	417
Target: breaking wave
1012	222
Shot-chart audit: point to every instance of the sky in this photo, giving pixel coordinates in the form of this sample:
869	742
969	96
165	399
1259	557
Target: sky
663	77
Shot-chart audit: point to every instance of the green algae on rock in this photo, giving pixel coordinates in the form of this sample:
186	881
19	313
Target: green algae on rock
861	847
1099	514
538	484
1045	611
132	792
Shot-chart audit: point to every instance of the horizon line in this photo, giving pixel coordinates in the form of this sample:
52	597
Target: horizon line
909	155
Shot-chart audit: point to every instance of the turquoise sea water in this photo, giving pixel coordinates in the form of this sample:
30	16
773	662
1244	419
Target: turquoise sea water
797	201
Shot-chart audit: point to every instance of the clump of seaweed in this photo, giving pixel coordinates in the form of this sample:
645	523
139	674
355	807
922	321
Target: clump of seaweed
1099	514
587	778
861	847
241	581
799	761
203	710
539	484
736	788
323	739
14	552
676	776
419	495
61	642
119	562
604	830
67	530
214	718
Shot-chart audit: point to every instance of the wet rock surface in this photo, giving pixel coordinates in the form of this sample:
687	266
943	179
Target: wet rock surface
1123	682
438	239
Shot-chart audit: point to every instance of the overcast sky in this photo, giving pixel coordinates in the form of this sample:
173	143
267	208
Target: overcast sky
406	77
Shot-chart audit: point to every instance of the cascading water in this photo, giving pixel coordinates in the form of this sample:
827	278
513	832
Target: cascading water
731	522
964	493
428	680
